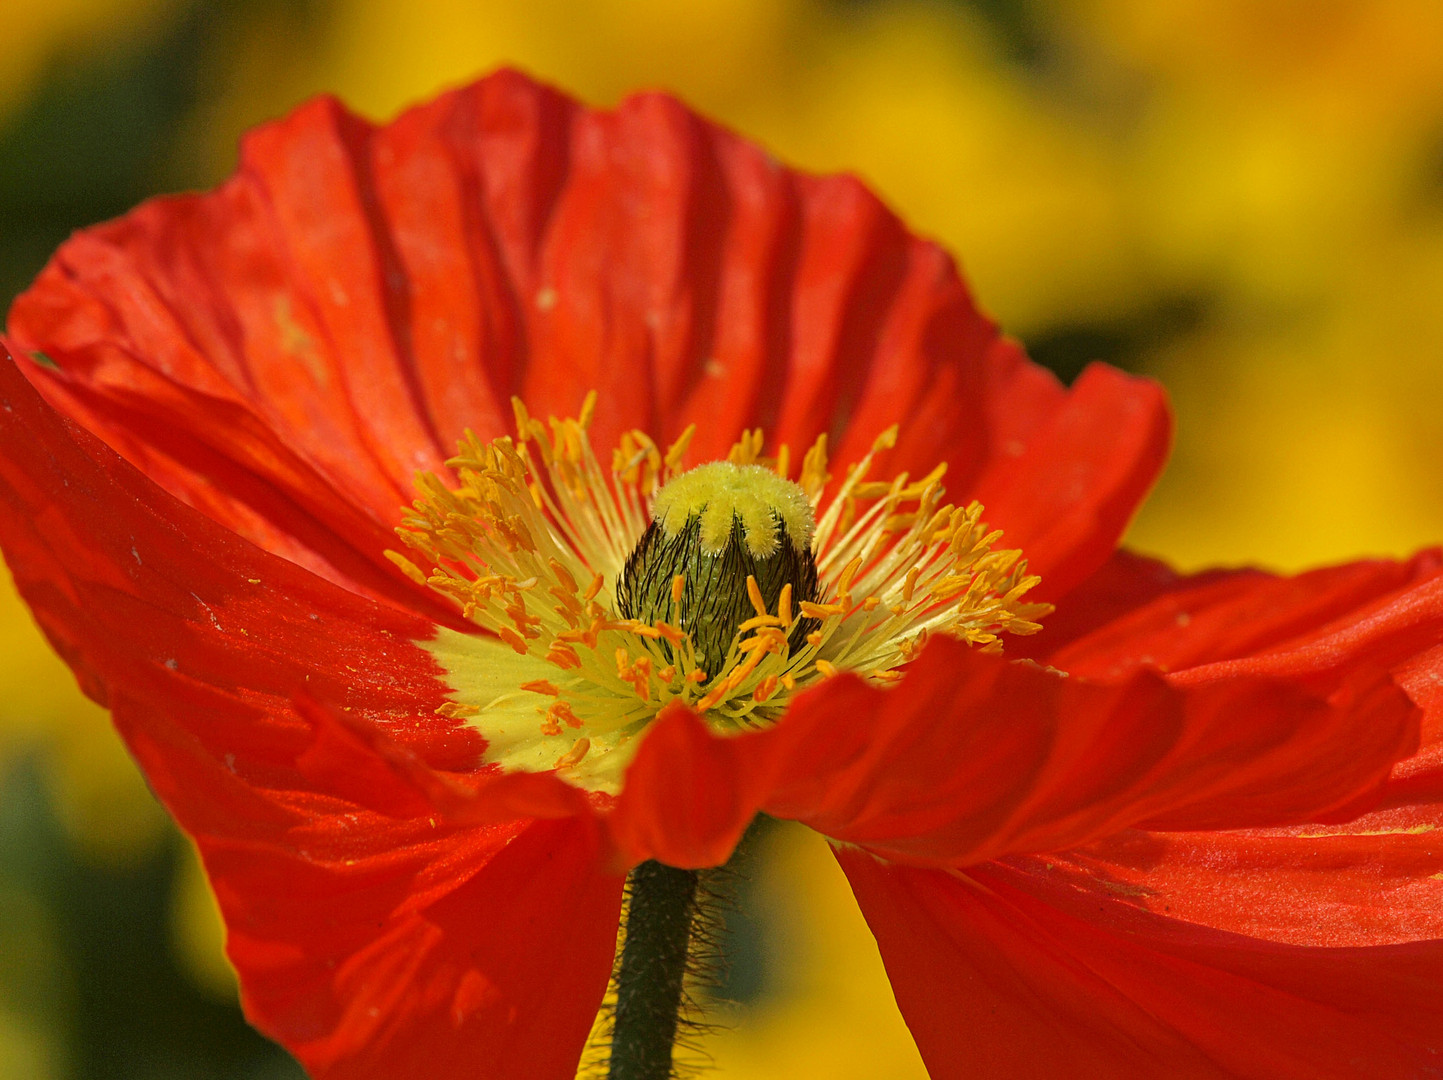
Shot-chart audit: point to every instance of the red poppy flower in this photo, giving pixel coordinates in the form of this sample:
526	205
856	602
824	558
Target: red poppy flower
1189	834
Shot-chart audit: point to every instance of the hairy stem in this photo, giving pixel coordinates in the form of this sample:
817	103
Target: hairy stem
653	968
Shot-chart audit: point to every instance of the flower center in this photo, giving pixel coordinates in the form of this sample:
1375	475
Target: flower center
729	588
727	545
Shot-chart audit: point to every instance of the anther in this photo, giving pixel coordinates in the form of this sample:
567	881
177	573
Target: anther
573	756
512	638
754	594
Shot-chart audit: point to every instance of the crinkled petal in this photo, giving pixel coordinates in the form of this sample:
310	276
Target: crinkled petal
1065	496
1136	612
357	760
1001	973
374	936
284	352
201	374
361	909
1401	629
132	586
1374	880
689	794
422	953
972	757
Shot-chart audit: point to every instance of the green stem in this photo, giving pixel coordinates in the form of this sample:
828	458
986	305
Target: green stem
653	967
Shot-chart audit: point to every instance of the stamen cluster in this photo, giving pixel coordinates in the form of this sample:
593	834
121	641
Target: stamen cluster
532	538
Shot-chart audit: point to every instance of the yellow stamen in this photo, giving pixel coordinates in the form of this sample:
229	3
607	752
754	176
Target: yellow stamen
560	710
567	582
671	633
563	655
410	569
760	620
754	594
676	452
533	517
575	755
512	638
814	477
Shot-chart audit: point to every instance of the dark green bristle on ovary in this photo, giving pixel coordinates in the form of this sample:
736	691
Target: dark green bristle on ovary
715	527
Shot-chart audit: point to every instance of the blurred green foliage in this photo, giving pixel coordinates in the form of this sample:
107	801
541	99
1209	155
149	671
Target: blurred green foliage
90	143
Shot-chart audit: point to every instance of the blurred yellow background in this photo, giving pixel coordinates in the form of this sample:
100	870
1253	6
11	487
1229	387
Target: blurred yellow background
1243	198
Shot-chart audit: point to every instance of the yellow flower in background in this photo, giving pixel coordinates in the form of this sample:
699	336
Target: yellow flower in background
1026	189
1360	61
35	990
1276	136
197	935
1289	166
1314	431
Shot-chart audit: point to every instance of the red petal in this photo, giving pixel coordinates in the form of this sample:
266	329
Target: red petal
284	352
355	759
1397	630
1375	880
422	953
213	639
364	922
176	359
689	794
1066	496
1137	613
972	756
139	591
1024	399
374	944
995	982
